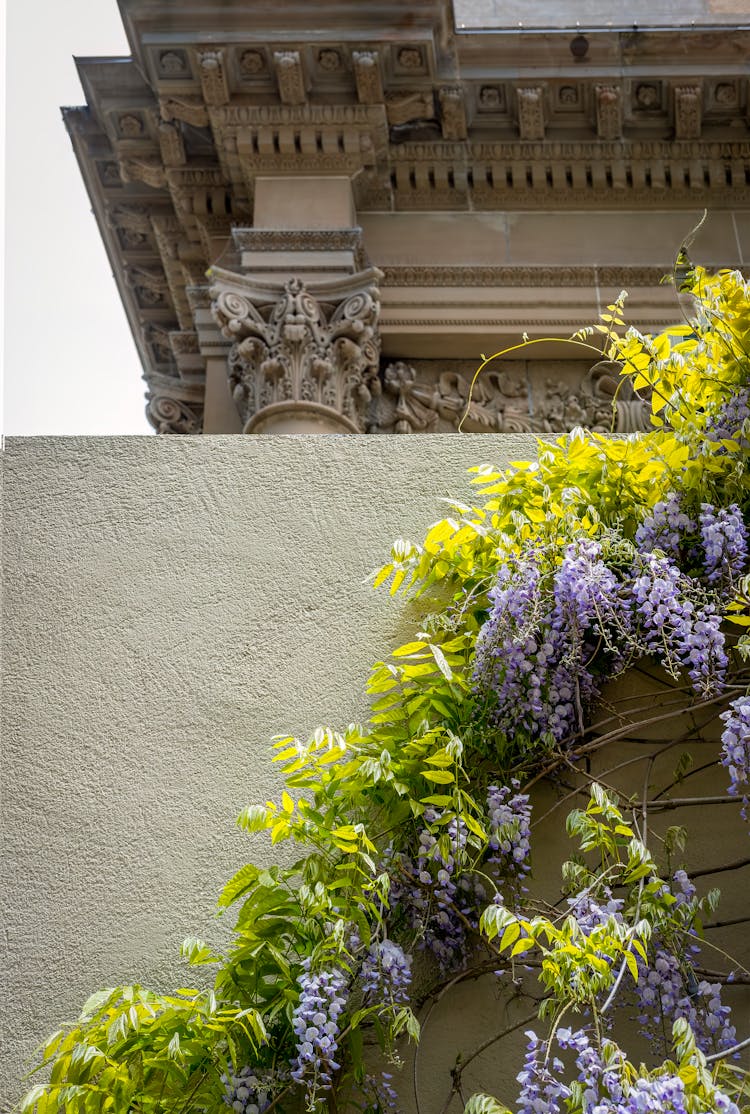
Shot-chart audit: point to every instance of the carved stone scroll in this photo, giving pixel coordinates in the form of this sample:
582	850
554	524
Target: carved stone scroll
608	112
213	76
290	76
299	352
367	76
171	415
687	112
452	113
530	112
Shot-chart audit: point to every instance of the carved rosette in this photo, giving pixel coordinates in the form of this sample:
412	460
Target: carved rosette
302	356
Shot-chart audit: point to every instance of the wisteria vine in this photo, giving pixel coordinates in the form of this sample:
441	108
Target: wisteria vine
603	557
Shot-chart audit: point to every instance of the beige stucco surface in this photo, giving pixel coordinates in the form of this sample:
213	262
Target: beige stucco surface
169	604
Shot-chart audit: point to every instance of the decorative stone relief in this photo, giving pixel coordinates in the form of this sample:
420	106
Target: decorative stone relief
367	76
501	402
687	112
251	63
330	60
410	58
303	352
491	98
213	76
404	107
171	415
171	145
647	96
130	126
608	112
530	112
725	94
150	171
173	63
452	112
191	110
290	76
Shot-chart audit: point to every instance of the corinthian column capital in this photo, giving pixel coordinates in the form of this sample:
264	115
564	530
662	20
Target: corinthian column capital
304	357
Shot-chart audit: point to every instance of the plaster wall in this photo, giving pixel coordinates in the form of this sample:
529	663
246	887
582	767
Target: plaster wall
169	604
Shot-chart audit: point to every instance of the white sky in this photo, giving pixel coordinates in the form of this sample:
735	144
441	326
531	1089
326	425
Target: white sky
70	362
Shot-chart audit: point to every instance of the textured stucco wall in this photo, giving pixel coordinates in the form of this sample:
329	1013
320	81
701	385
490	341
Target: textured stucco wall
169	604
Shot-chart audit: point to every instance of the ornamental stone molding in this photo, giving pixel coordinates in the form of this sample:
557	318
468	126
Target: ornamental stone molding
418	117
300	357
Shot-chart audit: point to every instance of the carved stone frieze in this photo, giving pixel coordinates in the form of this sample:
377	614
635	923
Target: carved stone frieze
367	76
213	76
452	112
687	112
502	401
299	351
608	111
530	112
290	76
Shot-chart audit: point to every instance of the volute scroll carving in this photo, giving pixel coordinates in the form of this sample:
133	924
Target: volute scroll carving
300	350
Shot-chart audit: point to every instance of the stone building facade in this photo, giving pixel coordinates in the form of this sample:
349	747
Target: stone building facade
320	213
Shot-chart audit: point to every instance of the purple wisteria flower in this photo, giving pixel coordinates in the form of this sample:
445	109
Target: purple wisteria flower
668	990
735	749
323	996
665	527
534	652
724	538
386	974
249	1090
509	816
679	632
728	422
